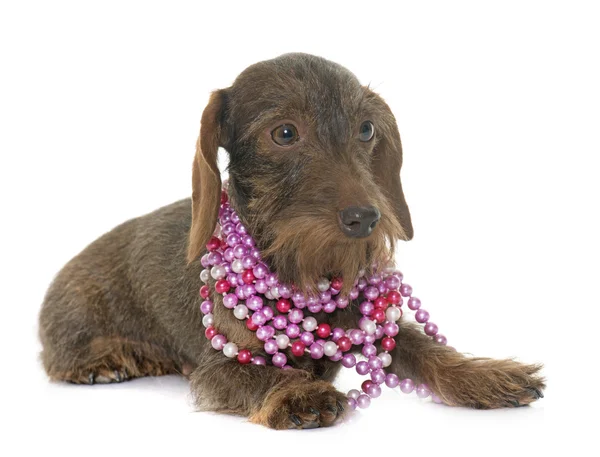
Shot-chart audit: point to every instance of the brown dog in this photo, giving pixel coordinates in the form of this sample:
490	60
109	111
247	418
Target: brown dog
315	176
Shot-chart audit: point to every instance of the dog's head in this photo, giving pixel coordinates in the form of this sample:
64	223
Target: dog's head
314	169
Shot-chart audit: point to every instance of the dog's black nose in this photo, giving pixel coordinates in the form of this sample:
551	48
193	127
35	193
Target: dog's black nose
359	221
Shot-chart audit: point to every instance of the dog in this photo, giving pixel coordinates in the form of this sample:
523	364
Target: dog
314	175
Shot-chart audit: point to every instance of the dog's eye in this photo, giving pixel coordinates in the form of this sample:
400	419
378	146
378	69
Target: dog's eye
366	132
285	134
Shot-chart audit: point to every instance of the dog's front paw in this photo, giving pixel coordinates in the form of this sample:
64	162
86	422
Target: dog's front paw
488	384
306	404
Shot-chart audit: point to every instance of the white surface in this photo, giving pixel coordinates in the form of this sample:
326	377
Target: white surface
498	112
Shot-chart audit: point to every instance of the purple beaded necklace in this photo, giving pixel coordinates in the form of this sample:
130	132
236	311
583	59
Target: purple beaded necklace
234	262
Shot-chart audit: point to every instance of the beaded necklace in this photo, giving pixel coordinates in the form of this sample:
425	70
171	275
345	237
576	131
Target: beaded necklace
243	279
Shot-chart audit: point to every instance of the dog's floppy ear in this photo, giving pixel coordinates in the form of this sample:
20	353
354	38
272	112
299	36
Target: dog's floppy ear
206	178
387	161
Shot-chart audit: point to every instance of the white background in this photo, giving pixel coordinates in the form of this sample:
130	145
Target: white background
498	107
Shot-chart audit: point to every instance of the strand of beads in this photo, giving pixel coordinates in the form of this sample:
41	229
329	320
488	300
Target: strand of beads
233	261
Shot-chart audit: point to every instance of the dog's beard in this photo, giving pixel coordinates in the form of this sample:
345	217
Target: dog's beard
303	249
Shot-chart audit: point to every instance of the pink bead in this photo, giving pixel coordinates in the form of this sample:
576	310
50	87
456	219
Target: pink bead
271	280
374	390
228	255
258	318
292	330
366	308
341	302
375	362
337	333
206	307
233	239
227	229
353	295
378	376
265	332
279	359
280	322
315	307
441	339
230	300
285	291
295	316
436	399
259	360
421	316
414	303
270	346
261	286
392	282
391	328
330	306
371	293
356	336
423	391
307	338
392	380
248	289
349	360
218	342
431	329
363	401
316	351
368	350
406	290
352	404
362	368
267	312
407	385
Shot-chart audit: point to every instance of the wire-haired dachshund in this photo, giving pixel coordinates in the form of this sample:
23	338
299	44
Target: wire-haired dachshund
314	175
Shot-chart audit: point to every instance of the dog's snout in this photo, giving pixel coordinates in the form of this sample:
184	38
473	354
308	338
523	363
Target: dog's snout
358	221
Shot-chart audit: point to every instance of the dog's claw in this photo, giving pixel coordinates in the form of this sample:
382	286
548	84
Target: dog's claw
515	403
538	392
118	377
91	378
296	420
340	406
315	411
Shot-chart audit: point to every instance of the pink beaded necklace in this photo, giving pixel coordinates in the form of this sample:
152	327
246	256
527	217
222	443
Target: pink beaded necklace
234	261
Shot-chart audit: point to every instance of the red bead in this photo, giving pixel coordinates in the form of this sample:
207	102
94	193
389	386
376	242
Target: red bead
283	305
365	385
213	243
388	343
337	283
224	197
204	291
298	348
224	245
344	343
222	286
378	315
248	276
323	330
394	297
380	302
244	356
210	332
251	325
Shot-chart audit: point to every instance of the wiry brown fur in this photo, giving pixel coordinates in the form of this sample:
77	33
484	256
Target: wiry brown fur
128	304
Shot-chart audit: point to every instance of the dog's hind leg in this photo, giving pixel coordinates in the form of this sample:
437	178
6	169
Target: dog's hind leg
460	380
110	359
